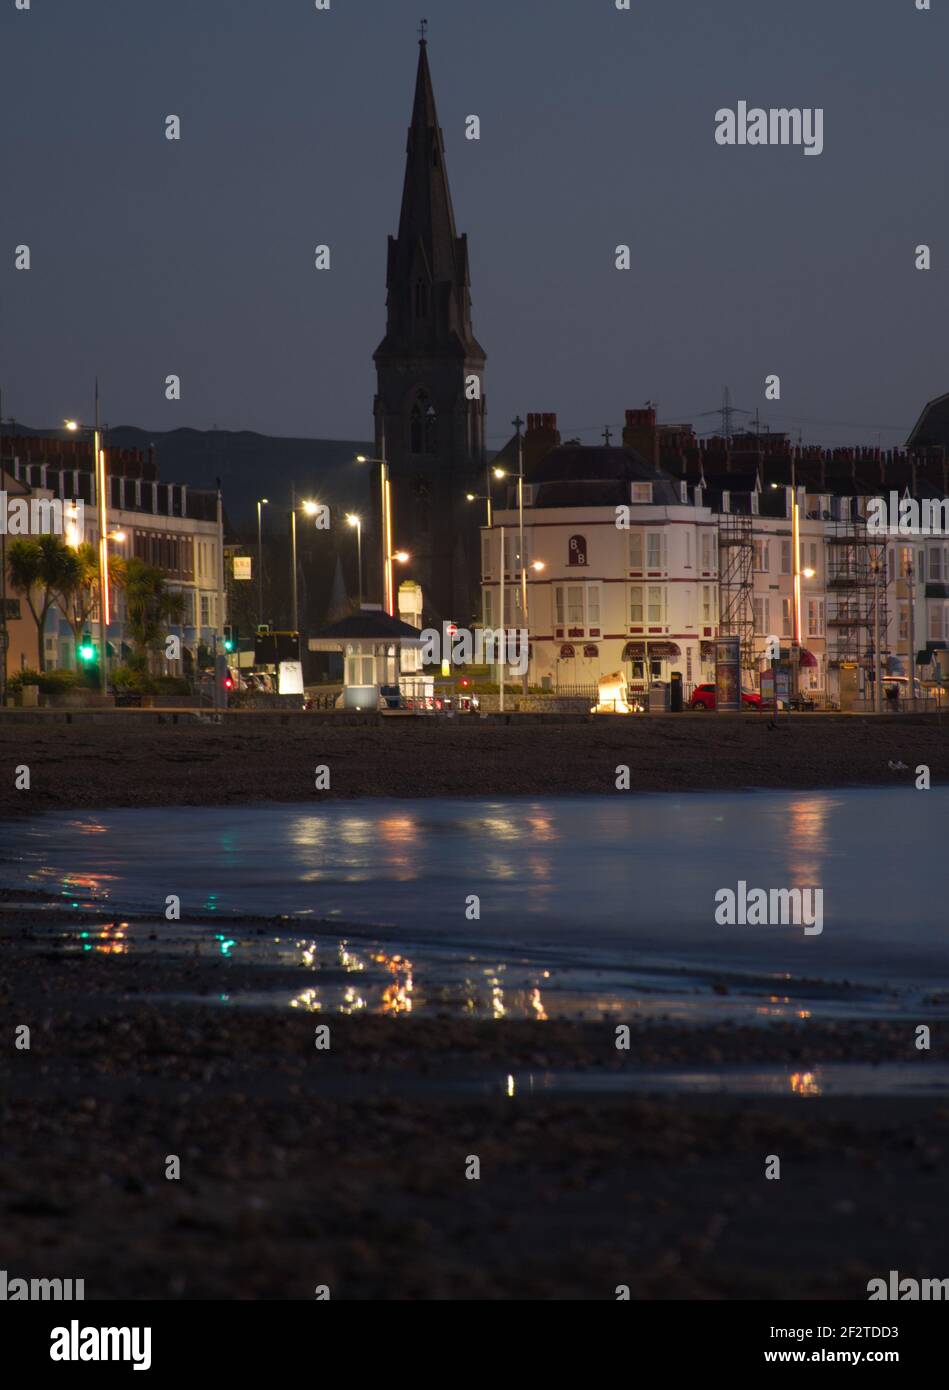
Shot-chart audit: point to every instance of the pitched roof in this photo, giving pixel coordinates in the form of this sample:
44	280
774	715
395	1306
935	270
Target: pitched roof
371	625
932	427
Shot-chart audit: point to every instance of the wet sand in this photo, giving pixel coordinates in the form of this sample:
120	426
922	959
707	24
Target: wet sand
346	1167
130	762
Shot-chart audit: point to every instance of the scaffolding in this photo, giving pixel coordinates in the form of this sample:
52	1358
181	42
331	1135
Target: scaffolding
856	584
736	601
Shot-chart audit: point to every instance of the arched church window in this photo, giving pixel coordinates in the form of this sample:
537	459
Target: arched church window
421	299
422	426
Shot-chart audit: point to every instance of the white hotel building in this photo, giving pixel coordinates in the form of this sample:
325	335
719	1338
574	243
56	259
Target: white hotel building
700	558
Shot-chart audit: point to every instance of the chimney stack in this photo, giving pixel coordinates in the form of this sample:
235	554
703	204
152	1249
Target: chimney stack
640	433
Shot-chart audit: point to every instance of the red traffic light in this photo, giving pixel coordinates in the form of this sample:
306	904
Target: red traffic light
465	682
228	683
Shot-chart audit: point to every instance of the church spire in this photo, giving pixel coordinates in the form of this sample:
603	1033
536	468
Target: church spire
430	404
427	214
427	278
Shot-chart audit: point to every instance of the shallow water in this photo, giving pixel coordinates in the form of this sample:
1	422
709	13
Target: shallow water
596	902
837	1079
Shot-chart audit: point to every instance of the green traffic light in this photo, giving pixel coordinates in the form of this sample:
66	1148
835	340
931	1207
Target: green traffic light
86	652
228	645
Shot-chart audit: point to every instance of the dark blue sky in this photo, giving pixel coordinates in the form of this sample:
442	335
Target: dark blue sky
152	257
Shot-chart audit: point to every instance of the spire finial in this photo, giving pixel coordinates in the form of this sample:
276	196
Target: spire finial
422	30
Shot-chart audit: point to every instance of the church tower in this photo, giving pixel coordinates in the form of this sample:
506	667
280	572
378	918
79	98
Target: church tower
430	406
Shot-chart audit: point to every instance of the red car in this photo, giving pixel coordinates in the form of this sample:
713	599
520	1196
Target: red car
703	697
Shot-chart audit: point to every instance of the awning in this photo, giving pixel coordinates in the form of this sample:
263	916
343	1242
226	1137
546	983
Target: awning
808	659
636	651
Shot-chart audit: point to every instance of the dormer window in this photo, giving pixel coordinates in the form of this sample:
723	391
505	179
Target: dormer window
642	492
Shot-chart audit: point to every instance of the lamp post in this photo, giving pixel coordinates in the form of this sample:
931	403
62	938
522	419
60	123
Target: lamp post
261	502
501	628
911	584
501	473
877	655
401	557
357	522
309	509
479	497
103	513
385	502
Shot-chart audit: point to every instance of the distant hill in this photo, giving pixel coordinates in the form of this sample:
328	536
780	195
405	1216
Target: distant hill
253	465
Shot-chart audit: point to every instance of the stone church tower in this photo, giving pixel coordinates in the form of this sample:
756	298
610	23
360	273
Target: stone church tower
430	406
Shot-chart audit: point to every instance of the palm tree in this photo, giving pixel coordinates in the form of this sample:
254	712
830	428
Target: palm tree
43	564
77	597
149	603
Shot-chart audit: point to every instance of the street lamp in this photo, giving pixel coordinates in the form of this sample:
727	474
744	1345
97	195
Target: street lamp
385	498
309	509
357	522
98	458
261	502
481	497
500	473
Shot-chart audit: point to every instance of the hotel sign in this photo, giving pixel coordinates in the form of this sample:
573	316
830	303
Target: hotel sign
242	567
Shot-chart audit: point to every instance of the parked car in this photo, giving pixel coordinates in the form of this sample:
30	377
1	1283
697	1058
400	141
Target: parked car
703	697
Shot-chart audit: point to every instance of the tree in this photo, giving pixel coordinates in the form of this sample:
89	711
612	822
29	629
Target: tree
150	606
43	564
77	597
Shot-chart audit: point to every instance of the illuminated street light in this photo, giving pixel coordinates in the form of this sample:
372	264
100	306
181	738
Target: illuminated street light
309	508
385	500
356	521
261	502
98	463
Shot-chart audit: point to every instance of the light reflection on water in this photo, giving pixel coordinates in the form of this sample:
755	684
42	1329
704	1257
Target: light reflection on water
588	904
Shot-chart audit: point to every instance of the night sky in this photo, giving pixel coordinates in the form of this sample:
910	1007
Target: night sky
196	257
